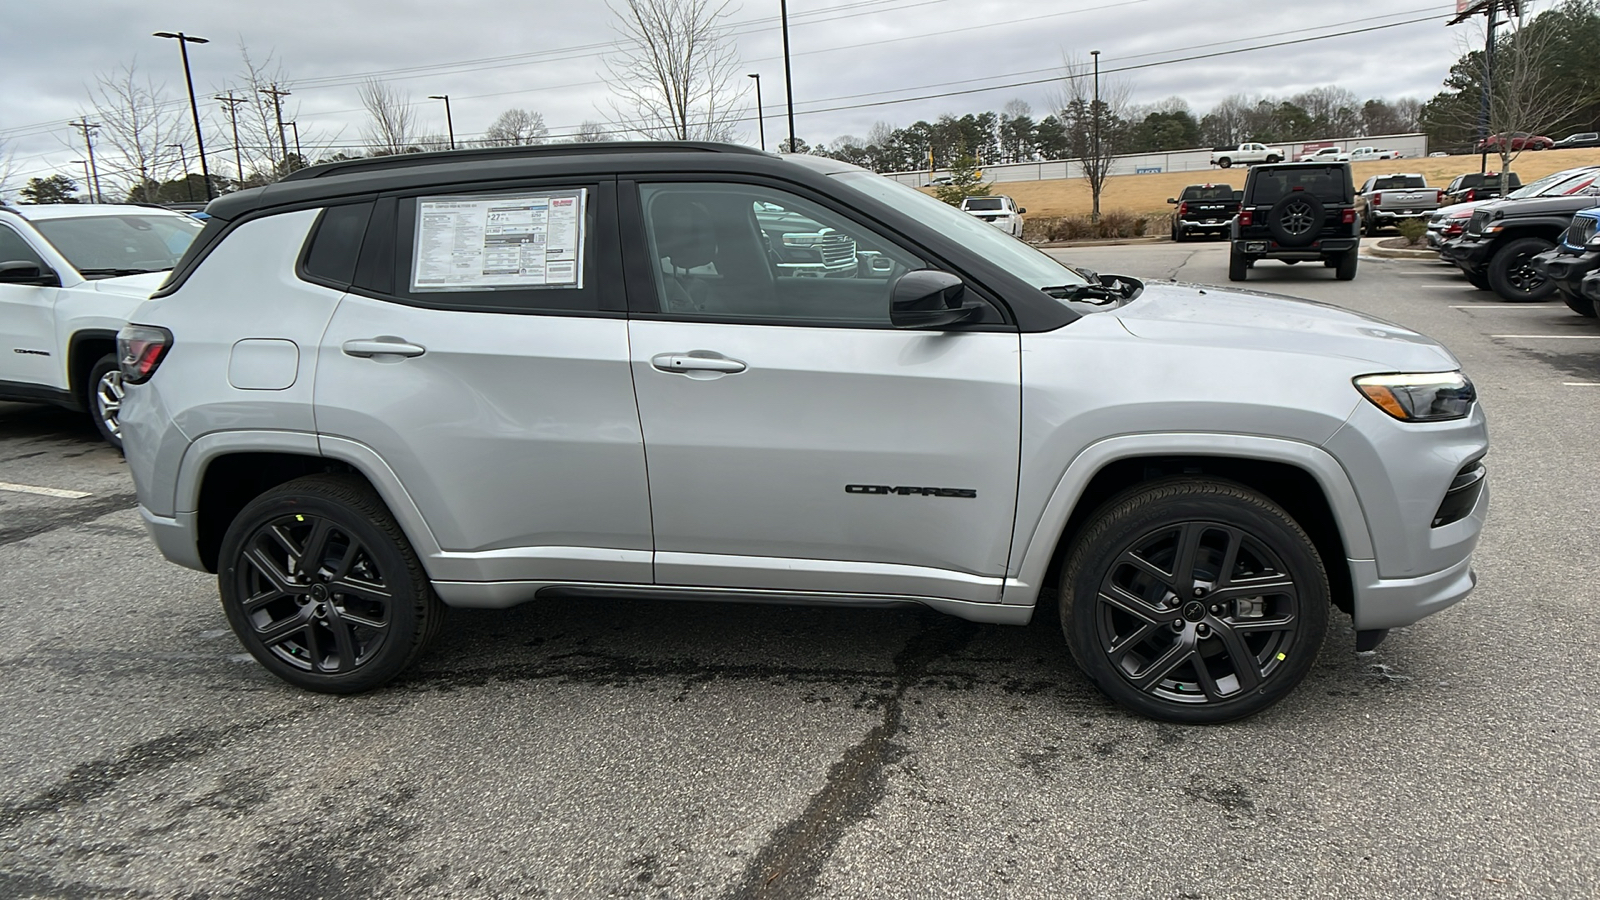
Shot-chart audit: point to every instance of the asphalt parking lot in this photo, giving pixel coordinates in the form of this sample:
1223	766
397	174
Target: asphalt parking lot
634	749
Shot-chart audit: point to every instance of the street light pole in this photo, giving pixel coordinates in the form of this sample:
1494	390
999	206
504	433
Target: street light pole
85	164
299	157
761	122
1096	113
448	122
183	158
184	41
788	78
233	116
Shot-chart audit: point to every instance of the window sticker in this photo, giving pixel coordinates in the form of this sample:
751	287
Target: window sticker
471	243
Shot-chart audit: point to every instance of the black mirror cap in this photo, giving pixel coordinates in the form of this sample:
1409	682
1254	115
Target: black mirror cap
1124	287
23	272
929	298
1172	200
1021	210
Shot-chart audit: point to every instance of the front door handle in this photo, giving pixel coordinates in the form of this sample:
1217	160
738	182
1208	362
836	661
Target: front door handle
697	361
382	345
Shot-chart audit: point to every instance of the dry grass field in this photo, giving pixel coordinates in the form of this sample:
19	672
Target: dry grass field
1149	193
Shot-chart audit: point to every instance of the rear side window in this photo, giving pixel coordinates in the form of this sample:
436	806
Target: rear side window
335	244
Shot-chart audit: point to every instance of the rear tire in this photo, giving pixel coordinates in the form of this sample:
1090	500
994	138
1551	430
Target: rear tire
1238	265
1194	600
322	587
1346	270
1225	162
1513	278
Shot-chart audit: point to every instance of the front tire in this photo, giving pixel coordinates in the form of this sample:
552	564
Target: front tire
104	400
1195	601
1477	280
1583	306
1513	278
322	587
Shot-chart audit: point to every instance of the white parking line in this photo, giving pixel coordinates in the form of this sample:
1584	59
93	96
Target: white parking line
1551	337
1499	306
1580	384
43	491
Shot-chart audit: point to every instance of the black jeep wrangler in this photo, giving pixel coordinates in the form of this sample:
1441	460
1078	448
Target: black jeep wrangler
1296	212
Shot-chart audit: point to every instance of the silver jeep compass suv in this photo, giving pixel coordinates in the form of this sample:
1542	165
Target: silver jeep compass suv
381	387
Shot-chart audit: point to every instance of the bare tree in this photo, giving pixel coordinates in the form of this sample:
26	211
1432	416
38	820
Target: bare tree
591	133
391	121
516	128
673	71
140	129
1333	108
1526	92
1095	121
260	99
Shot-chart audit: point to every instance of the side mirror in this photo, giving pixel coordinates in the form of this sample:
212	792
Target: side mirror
1122	286
1021	210
1172	200
23	272
929	298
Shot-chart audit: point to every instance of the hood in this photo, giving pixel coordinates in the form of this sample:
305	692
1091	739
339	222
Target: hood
1448	211
140	286
1251	321
1565	204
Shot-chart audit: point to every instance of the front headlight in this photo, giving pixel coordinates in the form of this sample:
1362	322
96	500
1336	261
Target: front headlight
1420	396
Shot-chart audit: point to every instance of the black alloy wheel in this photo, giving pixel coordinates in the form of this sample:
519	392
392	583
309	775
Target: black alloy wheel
1511	272
323	589
104	400
1194	601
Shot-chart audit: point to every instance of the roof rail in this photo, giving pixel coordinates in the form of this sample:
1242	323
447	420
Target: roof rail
479	154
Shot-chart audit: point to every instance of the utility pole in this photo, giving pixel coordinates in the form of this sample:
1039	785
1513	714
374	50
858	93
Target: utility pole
184	40
1486	112
187	184
233	116
1096	114
299	157
85	164
761	121
448	122
788	78
277	110
94	173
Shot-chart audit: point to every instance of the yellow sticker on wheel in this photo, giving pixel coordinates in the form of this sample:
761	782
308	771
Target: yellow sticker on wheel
303	518
1281	657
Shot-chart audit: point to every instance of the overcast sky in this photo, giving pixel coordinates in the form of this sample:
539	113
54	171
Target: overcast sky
547	57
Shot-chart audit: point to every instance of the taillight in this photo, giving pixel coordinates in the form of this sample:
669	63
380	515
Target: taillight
1349	217
1472	194
1438	196
140	348
1183	209
1246	216
1377	198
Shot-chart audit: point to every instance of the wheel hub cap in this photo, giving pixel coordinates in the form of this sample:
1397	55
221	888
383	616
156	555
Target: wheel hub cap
1194	611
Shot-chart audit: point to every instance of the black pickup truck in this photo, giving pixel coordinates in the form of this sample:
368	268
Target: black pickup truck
1296	212
1203	209
1503	236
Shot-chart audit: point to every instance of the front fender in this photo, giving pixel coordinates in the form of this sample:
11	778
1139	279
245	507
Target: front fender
1033	547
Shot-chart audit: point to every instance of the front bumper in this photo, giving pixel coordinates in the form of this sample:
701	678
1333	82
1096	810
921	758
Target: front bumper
1566	269
1384	603
1469	254
1590	287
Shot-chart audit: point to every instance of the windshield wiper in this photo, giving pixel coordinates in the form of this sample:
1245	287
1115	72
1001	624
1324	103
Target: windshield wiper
1091	293
113	273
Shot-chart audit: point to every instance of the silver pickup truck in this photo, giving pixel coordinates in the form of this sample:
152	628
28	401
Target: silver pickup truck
1386	199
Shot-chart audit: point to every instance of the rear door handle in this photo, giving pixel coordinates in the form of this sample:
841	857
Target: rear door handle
697	361
382	345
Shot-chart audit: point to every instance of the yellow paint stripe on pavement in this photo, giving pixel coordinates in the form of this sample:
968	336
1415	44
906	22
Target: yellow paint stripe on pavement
43	491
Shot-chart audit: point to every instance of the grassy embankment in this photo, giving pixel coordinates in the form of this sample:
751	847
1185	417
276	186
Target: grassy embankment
1146	194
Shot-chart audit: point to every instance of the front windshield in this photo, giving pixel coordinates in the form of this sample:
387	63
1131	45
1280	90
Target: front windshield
1535	188
1018	258
120	244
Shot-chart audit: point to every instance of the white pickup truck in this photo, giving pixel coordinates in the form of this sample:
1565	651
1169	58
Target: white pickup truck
1247	154
1364	153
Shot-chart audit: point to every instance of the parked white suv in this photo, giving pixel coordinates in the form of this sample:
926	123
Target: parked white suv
381	386
69	276
1000	211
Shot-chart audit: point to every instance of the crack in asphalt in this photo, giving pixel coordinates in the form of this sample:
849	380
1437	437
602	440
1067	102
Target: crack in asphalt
787	866
79	513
